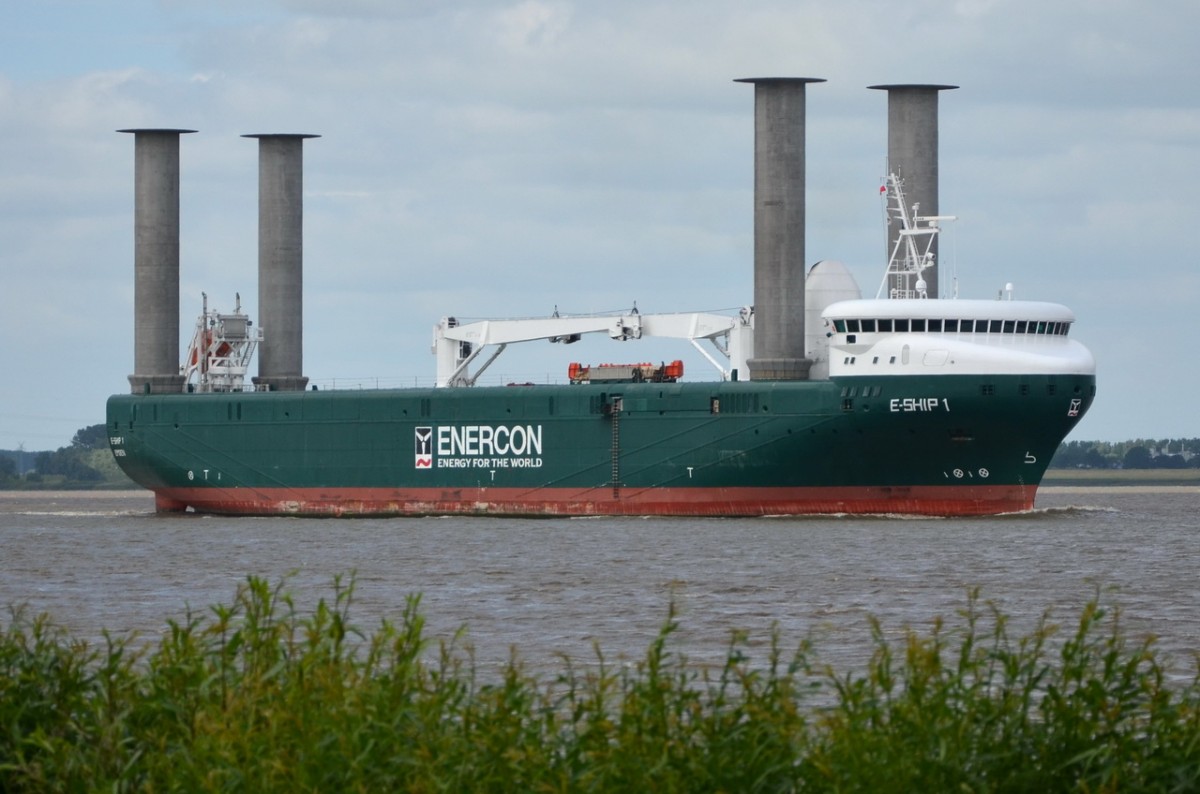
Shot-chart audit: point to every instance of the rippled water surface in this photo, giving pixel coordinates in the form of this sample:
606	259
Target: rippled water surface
549	587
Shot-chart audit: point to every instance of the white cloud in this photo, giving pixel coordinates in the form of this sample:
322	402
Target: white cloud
488	157
532	26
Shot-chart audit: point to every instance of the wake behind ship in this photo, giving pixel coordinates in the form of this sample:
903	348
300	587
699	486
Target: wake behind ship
823	403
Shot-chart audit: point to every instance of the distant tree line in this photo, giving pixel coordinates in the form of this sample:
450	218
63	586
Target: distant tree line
1141	453
87	462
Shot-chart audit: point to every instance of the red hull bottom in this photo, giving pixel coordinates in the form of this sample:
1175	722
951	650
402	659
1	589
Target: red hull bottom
932	500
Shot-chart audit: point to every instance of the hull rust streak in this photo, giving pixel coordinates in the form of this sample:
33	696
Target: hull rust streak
729	502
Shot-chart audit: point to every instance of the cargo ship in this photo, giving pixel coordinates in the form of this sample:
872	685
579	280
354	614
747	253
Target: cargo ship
822	402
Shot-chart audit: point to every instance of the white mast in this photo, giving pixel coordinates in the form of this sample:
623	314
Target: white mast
912	254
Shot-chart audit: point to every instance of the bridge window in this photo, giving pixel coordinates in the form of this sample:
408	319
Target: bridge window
918	325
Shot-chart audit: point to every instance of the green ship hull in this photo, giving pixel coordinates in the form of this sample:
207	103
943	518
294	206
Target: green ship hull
935	445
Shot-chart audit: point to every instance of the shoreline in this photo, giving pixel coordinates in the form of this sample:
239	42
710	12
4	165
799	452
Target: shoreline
75	494
1117	486
1174	480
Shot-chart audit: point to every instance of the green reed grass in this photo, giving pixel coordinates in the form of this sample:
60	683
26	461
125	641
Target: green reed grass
254	696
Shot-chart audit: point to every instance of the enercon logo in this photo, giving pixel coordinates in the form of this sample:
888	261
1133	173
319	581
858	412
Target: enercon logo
478	446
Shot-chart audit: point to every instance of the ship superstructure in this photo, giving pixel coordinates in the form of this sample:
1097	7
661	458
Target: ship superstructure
218	358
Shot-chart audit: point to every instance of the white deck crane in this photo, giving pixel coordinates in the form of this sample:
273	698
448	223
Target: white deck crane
458	345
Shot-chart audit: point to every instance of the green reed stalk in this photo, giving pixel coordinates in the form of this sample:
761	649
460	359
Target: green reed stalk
254	696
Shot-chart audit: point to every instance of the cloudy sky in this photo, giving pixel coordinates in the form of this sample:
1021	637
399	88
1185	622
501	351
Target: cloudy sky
498	159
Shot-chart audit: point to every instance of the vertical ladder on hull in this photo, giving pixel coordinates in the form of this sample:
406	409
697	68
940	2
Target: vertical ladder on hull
616	447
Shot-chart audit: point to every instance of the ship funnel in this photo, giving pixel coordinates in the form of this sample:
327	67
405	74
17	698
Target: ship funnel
913	156
156	261
281	261
779	271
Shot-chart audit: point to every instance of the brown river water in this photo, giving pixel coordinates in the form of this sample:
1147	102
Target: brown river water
549	587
